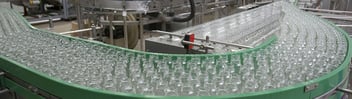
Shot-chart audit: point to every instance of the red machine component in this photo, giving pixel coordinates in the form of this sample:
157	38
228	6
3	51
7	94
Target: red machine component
190	38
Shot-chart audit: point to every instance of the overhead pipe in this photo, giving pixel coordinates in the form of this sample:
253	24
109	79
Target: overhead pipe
189	17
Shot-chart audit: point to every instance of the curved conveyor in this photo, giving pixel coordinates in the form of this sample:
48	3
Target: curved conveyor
308	58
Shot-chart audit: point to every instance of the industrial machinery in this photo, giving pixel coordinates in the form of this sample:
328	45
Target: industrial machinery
306	58
231	33
130	18
43	10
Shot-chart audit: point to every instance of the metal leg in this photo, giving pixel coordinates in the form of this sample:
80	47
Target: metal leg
349	83
101	33
51	23
141	30
193	21
124	14
42	6
79	18
4	90
111	30
11	5
14	96
125	32
25	11
163	26
93	32
202	12
207	40
65	8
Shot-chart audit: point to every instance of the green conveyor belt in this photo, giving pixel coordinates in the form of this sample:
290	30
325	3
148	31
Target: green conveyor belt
62	89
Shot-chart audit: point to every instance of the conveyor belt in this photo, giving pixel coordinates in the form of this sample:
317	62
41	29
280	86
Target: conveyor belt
308	52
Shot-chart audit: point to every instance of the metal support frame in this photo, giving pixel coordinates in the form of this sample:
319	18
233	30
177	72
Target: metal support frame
202	12
65	9
348	18
93	33
327	11
93	29
44	21
349	26
207	40
111	30
218	42
79	17
125	32
349	91
202	46
118	22
141	32
124	15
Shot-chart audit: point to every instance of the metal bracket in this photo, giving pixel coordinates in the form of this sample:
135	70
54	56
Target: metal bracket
202	46
311	87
